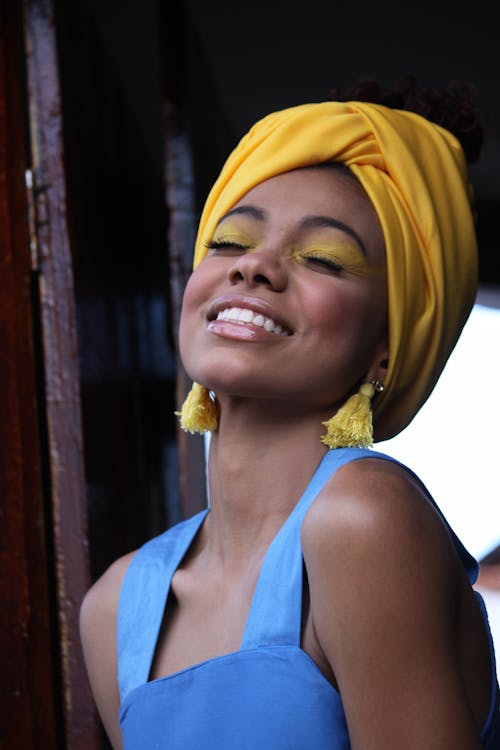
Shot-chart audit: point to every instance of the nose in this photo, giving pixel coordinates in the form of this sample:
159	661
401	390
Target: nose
259	268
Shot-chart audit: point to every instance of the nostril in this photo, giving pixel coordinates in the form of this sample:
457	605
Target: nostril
261	279
236	275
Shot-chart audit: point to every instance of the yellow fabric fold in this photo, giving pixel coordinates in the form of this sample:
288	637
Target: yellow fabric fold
416	177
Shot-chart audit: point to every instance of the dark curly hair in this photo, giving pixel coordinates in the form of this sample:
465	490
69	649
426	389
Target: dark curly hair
453	107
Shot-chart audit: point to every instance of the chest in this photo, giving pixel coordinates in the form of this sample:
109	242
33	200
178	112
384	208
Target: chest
204	619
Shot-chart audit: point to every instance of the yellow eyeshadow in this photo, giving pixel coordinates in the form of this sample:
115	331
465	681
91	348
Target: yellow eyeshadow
347	255
229	232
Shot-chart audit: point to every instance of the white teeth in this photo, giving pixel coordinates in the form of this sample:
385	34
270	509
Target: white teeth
244	315
269	325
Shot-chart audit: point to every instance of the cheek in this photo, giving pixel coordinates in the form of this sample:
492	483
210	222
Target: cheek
202	286
190	312
197	292
203	283
185	312
331	306
194	286
352	319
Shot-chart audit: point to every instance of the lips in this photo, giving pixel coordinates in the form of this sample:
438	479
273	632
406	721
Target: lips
248	312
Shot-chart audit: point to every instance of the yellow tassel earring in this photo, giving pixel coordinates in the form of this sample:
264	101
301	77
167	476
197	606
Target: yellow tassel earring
351	426
199	411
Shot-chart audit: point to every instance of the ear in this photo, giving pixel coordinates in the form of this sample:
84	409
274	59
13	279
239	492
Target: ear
378	370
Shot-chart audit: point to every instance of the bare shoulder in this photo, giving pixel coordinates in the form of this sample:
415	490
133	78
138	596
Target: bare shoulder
101	600
98	634
384	582
100	605
376	506
374	526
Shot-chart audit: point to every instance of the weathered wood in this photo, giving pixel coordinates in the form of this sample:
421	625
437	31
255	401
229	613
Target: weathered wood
27	638
59	347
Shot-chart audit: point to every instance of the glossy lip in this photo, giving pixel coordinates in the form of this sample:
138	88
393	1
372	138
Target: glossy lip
255	304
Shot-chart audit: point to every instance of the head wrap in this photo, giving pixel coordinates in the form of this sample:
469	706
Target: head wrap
415	174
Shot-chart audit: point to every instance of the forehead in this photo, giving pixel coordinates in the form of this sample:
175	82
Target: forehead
308	182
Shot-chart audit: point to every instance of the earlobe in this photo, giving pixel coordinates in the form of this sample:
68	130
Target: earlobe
377	374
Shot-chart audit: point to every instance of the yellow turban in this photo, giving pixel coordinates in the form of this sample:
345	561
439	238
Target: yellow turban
415	174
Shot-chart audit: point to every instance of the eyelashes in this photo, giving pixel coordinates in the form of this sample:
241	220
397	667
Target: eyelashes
320	262
227	244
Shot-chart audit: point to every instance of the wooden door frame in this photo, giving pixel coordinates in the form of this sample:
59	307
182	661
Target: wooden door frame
47	701
51	248
27	637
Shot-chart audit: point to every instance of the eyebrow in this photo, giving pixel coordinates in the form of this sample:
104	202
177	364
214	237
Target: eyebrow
253	211
308	222
313	222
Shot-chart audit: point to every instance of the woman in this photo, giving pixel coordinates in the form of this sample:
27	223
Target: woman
334	269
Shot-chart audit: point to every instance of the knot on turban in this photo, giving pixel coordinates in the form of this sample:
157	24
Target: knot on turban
414	173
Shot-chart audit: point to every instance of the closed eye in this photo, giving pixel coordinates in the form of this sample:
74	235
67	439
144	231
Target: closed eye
228	245
321	263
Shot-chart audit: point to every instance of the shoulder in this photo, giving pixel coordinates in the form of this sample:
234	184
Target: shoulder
376	508
384	583
101	600
100	606
98	615
379	558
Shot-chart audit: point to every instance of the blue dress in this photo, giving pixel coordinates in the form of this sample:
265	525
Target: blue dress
269	695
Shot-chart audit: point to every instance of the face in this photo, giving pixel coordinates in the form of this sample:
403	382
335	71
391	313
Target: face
290	301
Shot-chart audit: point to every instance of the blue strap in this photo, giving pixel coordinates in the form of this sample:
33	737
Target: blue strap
276	610
143	598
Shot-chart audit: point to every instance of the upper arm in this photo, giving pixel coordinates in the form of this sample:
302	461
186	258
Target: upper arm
98	634
384	589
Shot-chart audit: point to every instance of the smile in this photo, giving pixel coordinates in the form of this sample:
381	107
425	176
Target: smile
243	316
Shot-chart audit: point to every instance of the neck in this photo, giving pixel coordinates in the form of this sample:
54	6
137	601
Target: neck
259	466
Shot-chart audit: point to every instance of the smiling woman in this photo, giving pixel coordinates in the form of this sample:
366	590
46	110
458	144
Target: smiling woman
288	252
322	601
